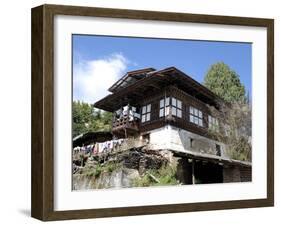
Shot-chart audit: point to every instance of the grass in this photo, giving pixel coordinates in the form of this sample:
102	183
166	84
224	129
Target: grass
144	181
111	166
166	175
99	169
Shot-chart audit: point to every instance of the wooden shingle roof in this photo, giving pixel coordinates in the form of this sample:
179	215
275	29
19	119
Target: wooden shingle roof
154	81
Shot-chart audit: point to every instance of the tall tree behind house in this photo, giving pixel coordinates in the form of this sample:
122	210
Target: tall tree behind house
225	82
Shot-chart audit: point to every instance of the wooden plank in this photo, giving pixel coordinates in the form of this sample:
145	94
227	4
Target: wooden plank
37	188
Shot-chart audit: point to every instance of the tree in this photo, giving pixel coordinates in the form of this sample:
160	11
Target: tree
86	118
225	82
235	129
235	116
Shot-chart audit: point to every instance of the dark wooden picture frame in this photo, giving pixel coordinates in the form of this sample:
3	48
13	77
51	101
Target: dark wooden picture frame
42	203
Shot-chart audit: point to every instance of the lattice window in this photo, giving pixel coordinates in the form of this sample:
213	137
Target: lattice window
176	107
195	116
164	107
145	113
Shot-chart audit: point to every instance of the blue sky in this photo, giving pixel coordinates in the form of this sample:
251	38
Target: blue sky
100	60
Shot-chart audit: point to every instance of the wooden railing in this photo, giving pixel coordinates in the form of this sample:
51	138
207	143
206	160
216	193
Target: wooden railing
125	123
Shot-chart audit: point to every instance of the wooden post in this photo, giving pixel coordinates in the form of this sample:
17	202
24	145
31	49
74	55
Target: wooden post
125	133
193	176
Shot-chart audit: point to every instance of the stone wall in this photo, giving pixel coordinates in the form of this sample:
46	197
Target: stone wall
173	138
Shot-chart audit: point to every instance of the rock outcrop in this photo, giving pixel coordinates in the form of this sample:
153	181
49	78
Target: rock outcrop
117	170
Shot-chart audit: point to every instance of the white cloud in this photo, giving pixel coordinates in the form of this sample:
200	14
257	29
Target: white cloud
91	79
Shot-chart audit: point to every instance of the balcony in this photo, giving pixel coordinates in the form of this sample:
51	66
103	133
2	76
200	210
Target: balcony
125	126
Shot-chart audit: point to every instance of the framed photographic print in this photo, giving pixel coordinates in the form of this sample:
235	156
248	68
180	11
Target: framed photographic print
141	112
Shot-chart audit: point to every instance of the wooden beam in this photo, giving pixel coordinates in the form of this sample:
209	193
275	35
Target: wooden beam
193	171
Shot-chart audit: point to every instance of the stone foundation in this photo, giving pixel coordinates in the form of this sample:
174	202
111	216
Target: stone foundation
173	138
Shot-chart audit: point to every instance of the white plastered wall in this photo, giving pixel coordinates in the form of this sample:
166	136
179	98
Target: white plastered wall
173	138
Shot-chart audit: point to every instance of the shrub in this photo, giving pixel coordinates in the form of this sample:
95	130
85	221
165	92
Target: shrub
111	166
166	175
97	171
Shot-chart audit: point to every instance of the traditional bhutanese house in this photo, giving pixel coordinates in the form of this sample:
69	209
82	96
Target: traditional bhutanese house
172	111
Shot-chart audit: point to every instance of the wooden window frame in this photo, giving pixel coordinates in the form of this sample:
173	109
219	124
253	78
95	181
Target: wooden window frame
178	109
195	116
166	107
146	113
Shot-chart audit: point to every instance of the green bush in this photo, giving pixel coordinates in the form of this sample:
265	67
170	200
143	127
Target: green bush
111	166
166	175
144	181
97	171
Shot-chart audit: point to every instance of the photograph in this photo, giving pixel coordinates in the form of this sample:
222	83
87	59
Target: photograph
140	112
160	112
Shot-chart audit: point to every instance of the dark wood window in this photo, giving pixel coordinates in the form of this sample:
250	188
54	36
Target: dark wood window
195	116
176	107
164	107
145	113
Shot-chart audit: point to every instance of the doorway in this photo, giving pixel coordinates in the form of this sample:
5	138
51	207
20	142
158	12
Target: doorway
207	173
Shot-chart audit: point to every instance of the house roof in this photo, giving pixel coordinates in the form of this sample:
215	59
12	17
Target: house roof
130	78
90	137
213	158
153	81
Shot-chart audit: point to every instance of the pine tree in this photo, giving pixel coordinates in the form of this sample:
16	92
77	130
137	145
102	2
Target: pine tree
225	82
